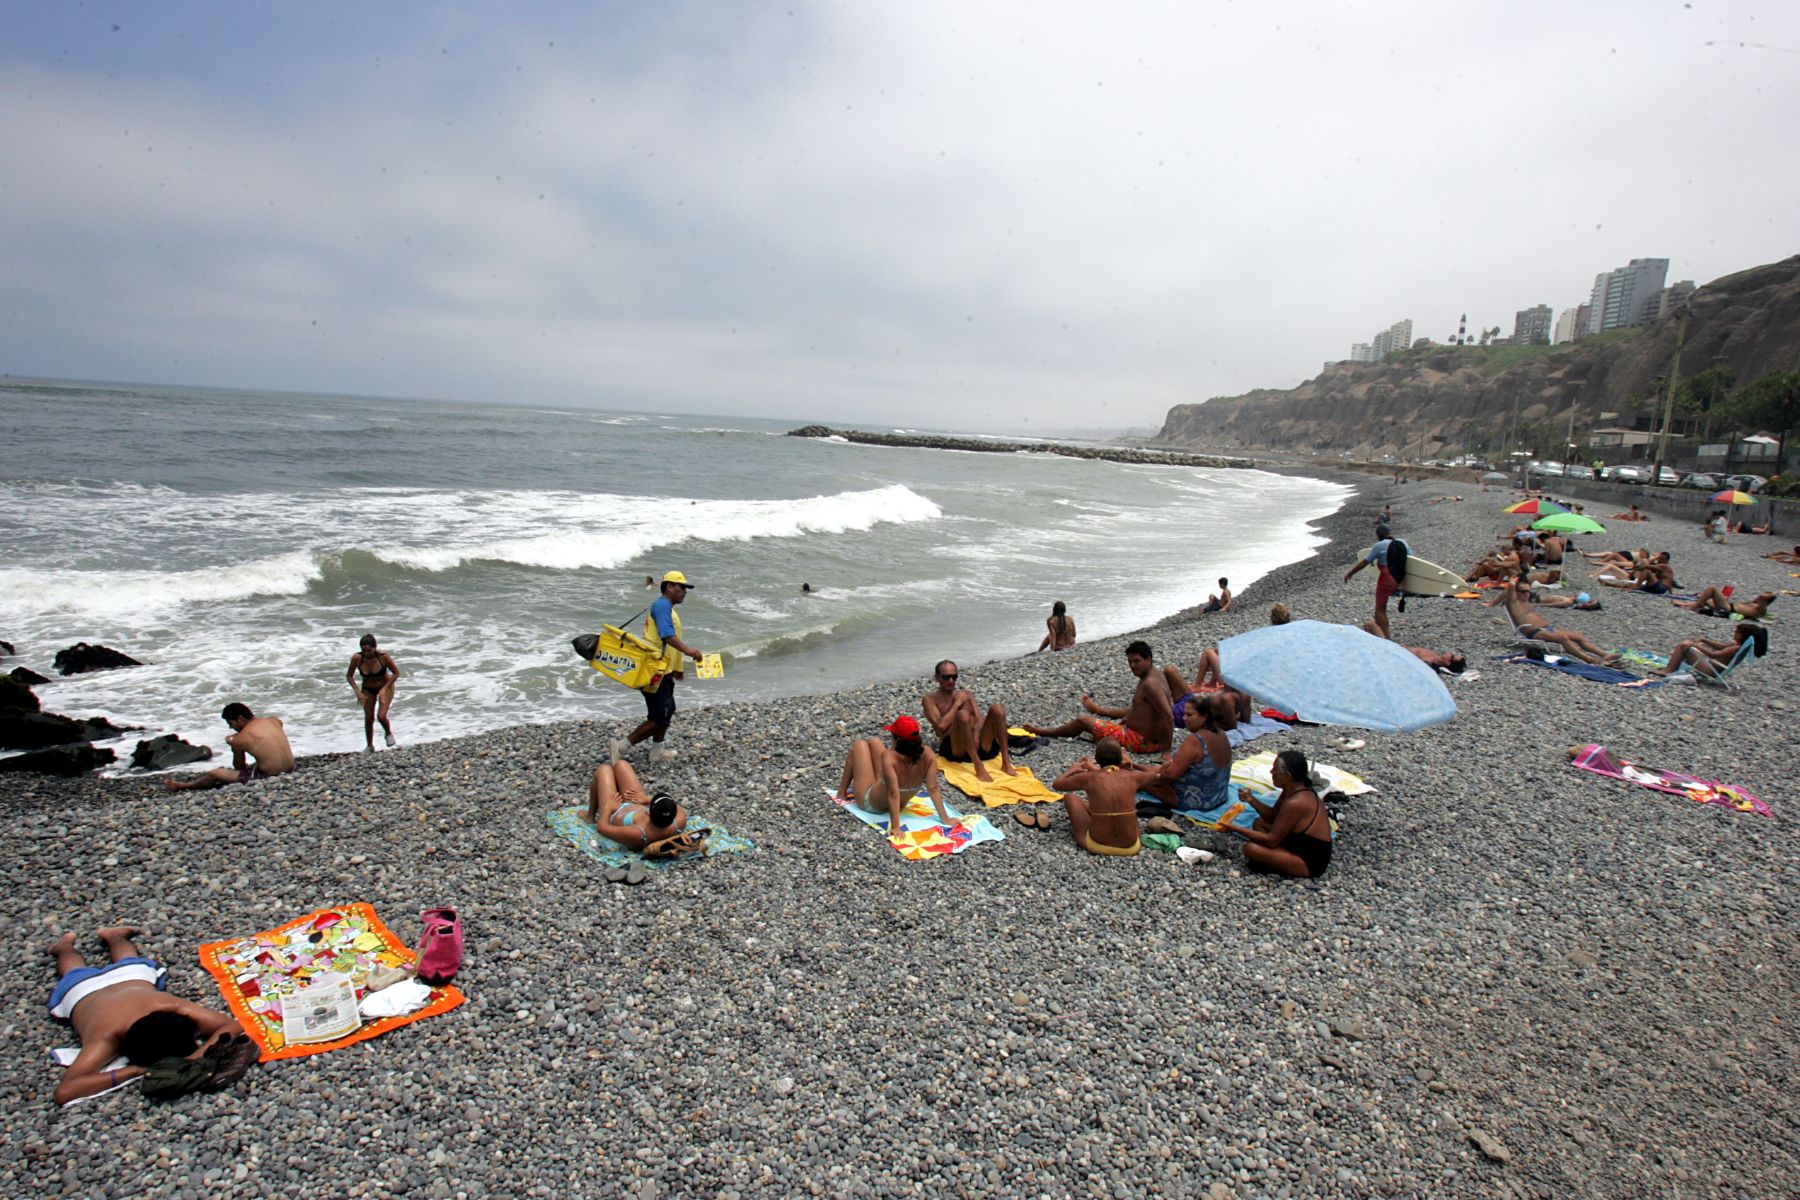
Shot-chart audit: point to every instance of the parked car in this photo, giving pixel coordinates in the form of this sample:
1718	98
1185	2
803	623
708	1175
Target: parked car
1745	483
1670	477
1625	473
1577	471
1700	481
1549	467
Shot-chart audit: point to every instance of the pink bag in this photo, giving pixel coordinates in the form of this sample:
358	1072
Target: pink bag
440	946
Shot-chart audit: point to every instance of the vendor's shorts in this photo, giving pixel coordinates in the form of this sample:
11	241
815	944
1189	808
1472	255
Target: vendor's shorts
660	704
83	982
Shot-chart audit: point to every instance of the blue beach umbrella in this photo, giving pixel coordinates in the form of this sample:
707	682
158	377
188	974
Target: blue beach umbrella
1336	675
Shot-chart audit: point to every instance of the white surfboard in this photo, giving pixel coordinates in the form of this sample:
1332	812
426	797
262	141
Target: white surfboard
1425	578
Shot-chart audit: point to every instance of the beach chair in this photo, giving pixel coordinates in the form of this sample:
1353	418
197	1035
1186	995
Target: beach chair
1719	675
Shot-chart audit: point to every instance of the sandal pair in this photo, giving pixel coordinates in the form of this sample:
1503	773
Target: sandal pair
632	875
1033	819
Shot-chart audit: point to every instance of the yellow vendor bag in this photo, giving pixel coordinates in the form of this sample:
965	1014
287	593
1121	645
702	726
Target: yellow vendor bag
622	657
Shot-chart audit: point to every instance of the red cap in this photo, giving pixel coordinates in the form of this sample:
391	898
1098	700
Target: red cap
904	727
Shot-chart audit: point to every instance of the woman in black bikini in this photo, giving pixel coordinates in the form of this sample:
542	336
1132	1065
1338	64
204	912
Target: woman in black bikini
378	671
1294	837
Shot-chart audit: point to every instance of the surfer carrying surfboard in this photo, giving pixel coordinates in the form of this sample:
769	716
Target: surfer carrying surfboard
1388	553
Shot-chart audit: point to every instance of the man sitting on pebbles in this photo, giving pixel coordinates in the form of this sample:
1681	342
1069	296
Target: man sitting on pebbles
1149	720
1105	821
261	739
121	1010
965	732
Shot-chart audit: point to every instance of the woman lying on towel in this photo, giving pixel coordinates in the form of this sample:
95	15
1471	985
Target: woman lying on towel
619	809
1709	657
881	780
1294	837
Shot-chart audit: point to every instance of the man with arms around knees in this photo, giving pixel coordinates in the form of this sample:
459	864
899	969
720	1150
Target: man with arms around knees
1149	720
1105	822
662	629
965	733
259	749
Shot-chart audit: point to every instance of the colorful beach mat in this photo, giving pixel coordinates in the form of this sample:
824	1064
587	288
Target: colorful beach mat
921	836
1601	761
254	972
1023	788
569	826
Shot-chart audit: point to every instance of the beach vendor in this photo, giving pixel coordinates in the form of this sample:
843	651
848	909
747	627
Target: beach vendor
1149	720
1104	821
375	692
881	779
965	732
1198	775
619	809
662	629
259	750
120	1010
1385	556
1294	837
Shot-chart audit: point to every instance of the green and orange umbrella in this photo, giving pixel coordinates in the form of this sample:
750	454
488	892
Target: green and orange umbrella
1536	508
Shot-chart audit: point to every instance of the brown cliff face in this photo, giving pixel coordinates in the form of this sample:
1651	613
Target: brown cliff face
1440	400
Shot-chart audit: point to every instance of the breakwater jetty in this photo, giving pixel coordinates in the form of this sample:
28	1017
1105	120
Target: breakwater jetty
1125	454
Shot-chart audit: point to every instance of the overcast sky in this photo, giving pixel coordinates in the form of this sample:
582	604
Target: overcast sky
923	213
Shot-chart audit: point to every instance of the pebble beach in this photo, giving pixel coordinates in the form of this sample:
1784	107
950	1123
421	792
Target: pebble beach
1516	980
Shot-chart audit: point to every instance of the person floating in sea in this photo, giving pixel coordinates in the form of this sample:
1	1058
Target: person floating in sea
1294	837
259	750
1061	627
1149	719
662	629
379	672
1221	601
121	1010
1104	821
879	779
965	732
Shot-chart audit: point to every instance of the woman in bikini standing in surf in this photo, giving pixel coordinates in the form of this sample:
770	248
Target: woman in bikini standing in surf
378	671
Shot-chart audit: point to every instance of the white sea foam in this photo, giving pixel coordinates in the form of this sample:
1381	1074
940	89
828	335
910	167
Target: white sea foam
121	594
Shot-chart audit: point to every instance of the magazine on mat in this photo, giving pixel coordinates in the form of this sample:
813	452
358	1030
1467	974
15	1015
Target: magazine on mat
322	1012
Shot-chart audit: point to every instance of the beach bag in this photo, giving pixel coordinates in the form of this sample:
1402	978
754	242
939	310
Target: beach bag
622	657
440	946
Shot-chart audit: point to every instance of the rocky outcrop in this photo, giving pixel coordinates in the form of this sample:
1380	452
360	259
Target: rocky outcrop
1155	457
6	649
82	658
36	730
26	676
77	758
158	753
1439	400
16	697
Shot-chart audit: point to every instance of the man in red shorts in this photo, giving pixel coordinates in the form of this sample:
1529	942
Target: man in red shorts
1149	720
1385	583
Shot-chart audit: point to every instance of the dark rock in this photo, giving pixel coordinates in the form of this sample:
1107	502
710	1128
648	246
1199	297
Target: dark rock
27	676
1156	457
168	750
78	758
99	729
81	658
15	696
36	730
6	649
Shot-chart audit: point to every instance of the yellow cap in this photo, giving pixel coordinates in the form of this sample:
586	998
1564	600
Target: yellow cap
677	577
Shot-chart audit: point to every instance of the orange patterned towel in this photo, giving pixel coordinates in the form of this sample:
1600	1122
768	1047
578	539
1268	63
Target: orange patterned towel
256	971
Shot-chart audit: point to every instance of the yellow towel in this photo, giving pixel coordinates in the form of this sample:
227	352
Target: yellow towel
1023	788
1254	773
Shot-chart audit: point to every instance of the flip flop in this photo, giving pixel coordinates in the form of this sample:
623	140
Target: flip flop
1027	819
615	874
636	874
1043	818
1162	825
1350	743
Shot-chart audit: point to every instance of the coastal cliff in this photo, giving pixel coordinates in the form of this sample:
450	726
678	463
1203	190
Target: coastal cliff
1439	400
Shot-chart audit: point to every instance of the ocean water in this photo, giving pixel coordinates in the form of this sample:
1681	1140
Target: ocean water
241	542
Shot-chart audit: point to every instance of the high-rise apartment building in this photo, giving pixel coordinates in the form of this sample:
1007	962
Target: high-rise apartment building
1566	329
1531	326
1627	296
1397	336
1362	352
1673	297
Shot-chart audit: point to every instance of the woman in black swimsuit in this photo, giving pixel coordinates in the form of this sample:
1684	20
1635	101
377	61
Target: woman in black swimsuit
1294	837
378	671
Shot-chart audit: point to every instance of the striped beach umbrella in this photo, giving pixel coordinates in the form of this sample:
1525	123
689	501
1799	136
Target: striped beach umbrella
1535	508
1733	496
